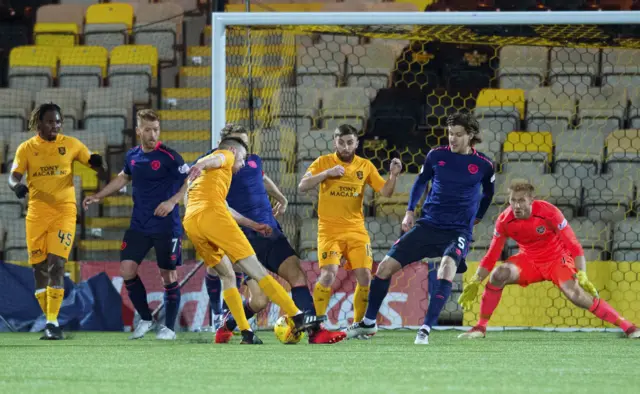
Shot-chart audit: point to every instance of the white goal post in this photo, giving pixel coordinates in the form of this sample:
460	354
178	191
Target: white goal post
220	21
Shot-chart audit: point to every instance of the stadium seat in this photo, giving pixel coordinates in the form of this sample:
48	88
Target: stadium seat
159	25
108	25
11	208
308	236
109	110
312	144
634	109
594	237
70	100
108	36
608	197
526	151
15	107
192	141
185	120
112	13
579	152
604	108
547	110
320	66
370	66
195	77
504	99
134	67
275	143
15	247
623	153
626	240
13	141
82	67
32	67
573	70
307	198
483	233
298	108
344	106
620	67
186	98
522	67
96	141
396	205
386	230
62	13
56	34
199	56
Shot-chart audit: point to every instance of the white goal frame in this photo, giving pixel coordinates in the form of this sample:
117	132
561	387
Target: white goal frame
220	20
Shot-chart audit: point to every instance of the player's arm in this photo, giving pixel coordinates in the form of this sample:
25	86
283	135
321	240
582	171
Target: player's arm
273	191
87	158
315	175
417	190
18	168
390	184
179	171
242	220
116	184
488	189
210	162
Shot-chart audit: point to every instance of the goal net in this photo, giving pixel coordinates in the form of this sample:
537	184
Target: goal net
557	104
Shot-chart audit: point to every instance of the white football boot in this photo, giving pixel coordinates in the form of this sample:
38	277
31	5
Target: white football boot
359	329
144	326
166	334
422	338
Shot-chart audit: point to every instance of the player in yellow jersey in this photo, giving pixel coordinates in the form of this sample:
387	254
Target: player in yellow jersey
211	227
47	161
342	177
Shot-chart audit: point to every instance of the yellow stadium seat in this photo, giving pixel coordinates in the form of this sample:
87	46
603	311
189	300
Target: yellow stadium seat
624	141
85	56
34	56
136	55
502	98
189	157
190	71
420	4
89	177
186	93
529	141
56	34
276	7
112	13
169	136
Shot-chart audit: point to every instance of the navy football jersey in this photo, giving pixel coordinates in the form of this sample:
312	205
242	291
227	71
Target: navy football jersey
454	200
156	176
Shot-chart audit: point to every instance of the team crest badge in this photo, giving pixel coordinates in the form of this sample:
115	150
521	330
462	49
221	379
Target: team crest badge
62	150
324	255
473	169
359	174
155	165
540	230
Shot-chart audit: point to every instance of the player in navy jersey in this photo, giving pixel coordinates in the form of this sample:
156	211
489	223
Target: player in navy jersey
158	175
249	196
453	205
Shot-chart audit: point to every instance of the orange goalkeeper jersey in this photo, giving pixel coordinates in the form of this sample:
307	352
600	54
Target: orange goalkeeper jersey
340	199
210	189
48	166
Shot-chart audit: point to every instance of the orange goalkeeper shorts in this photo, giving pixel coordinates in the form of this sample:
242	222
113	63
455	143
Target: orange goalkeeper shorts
558	271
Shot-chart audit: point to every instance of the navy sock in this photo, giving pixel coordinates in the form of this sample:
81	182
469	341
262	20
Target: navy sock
303	299
214	286
138	297
171	304
231	322
379	289
437	302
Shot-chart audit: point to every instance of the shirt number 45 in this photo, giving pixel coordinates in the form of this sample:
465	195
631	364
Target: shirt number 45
65	238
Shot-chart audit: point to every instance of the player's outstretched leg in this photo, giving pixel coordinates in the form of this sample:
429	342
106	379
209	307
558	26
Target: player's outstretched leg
503	275
599	307
138	296
55	296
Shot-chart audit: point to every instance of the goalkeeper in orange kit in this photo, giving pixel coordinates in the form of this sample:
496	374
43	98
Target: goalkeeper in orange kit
549	250
47	160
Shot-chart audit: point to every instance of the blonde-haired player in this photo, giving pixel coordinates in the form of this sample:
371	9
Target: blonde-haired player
47	160
342	177
211	227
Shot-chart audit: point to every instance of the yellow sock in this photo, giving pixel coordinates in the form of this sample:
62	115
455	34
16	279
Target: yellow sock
41	296
360	301
234	303
321	298
54	301
278	295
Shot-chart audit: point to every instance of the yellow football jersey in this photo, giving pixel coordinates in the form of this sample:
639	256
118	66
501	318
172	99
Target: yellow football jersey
48	166
340	199
210	189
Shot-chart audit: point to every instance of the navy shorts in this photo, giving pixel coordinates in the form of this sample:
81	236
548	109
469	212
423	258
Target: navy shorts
424	240
272	251
168	247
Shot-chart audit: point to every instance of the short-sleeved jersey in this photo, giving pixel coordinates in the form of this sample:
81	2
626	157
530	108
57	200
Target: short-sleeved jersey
340	199
454	200
543	237
48	166
156	176
210	189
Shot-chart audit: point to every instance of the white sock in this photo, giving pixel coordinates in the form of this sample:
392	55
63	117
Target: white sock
368	322
54	322
426	328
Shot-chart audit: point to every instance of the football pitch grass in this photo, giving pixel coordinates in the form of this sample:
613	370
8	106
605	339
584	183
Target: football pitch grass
504	362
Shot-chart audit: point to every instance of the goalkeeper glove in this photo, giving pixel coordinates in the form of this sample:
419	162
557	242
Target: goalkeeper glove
21	190
586	284
469	293
95	161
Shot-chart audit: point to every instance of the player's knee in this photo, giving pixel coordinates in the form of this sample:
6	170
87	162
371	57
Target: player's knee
55	269
363	276
328	275
258	301
387	268
500	276
128	269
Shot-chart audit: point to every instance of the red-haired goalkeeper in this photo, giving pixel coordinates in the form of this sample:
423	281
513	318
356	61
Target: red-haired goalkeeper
549	251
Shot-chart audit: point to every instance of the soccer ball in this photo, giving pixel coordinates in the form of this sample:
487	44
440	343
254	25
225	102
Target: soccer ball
284	331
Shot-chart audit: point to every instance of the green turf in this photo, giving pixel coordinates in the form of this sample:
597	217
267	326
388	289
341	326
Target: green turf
504	362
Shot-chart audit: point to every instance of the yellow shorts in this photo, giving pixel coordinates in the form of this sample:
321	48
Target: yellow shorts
355	246
215	233
50	232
